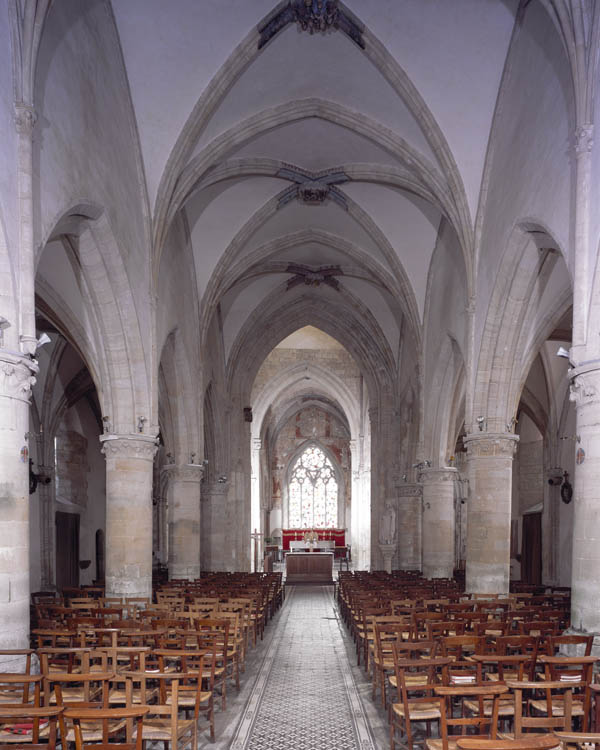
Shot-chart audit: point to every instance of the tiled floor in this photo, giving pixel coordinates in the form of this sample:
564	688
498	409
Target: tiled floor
302	690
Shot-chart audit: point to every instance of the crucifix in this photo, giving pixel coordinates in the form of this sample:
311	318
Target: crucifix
256	537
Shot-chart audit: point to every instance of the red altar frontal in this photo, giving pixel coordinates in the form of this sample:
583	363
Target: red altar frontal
297	535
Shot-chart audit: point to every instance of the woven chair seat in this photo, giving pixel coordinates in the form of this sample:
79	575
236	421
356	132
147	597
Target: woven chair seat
506	707
438	744
92	730
160	729
418	712
188	700
23	736
558	707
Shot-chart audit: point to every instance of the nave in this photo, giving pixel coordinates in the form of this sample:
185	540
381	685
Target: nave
304	690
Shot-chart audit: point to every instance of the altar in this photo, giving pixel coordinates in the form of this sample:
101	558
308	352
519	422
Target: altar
308	567
295	539
321	544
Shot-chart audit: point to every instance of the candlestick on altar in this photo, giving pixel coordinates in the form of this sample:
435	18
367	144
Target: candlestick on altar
256	537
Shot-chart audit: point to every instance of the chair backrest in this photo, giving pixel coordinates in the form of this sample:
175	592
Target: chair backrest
106	717
79	690
515	666
482	721
19	689
20	655
27	720
577	643
549	690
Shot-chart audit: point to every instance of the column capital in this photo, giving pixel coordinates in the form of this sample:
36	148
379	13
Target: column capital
17	375
491	444
183	472
129	446
445	474
25	119
585	383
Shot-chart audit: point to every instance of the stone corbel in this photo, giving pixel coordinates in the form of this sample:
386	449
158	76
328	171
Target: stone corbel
584	383
17	376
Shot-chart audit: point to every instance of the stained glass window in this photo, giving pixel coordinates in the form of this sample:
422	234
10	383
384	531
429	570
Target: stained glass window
313	492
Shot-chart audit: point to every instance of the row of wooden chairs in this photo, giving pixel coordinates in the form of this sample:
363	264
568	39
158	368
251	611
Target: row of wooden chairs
434	689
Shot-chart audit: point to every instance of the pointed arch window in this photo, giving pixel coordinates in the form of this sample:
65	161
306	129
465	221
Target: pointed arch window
313	491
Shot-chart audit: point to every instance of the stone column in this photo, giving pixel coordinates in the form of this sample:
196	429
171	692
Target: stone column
490	457
215	536
585	581
410	512
16	380
128	514
25	118
438	522
184	520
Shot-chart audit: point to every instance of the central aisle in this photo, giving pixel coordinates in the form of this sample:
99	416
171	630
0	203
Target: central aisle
305	695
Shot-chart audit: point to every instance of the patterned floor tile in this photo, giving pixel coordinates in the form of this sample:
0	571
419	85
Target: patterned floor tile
305	696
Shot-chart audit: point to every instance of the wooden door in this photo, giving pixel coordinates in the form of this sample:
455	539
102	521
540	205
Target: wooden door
531	549
67	550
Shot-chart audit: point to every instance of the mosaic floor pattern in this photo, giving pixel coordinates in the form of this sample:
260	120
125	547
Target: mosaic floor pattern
305	694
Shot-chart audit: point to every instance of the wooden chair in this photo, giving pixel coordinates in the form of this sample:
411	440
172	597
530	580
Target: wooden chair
88	690
416	680
498	669
81	718
213	636
486	725
196	691
27	725
162	723
387	634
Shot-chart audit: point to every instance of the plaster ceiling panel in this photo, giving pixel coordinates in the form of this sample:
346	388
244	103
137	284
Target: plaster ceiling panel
410	225
316	144
455	58
217	214
313	254
329	217
297	65
239	303
56	270
378	305
309	337
171	52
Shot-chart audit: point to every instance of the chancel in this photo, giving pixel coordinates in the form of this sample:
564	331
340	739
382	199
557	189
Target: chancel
297	289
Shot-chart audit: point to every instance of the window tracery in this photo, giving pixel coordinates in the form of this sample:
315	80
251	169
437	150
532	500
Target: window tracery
313	491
